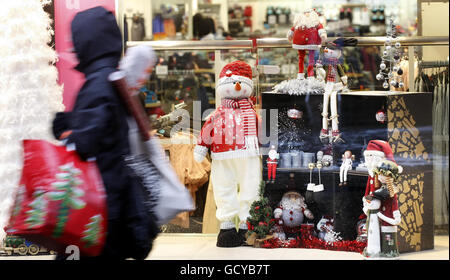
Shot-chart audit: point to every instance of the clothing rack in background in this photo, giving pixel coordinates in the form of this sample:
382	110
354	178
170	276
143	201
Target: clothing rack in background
433	64
437	83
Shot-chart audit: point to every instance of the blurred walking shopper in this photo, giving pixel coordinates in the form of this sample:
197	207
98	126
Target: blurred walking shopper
97	128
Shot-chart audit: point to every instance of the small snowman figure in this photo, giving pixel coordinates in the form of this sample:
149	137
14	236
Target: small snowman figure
290	214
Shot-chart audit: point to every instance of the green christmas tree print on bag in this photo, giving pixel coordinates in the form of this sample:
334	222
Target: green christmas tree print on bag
61	199
36	215
91	236
68	193
21	191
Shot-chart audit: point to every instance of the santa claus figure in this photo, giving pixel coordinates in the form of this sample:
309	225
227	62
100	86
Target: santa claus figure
230	133
380	202
272	162
376	151
307	34
290	214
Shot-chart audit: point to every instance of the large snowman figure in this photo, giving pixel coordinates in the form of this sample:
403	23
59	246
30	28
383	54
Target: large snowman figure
231	135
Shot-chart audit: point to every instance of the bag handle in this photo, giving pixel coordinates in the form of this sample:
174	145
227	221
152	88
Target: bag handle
132	103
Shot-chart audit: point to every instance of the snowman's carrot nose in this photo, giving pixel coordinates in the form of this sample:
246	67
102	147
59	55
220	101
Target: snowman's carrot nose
237	87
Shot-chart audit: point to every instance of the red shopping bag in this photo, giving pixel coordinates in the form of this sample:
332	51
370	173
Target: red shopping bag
60	201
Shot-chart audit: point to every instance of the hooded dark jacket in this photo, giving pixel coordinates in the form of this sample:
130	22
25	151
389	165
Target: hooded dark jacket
100	130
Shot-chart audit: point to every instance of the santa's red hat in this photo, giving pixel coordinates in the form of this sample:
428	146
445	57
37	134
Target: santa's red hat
236	71
382	149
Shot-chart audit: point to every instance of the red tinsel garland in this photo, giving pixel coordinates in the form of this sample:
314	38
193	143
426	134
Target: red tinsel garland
309	241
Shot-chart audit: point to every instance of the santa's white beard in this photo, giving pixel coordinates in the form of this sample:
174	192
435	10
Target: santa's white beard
289	204
272	154
311	21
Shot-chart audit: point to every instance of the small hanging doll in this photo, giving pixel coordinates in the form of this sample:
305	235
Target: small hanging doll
332	58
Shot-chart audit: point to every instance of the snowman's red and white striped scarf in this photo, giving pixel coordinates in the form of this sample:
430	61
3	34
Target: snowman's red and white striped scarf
248	120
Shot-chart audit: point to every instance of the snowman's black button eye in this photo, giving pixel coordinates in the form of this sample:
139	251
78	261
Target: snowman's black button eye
234	83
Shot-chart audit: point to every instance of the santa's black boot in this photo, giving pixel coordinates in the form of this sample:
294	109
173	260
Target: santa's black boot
229	238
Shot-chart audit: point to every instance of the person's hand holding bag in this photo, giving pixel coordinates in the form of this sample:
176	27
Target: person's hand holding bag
61	124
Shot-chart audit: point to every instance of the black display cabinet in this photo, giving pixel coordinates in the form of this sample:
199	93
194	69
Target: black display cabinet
408	129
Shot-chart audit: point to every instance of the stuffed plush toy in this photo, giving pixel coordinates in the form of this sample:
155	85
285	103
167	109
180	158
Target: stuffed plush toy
231	133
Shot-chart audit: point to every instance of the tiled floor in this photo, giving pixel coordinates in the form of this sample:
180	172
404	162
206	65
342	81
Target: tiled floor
203	247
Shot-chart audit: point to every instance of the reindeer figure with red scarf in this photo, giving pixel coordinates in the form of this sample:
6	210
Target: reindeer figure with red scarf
332	57
231	135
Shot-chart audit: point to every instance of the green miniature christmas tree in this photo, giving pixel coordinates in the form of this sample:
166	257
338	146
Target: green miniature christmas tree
261	215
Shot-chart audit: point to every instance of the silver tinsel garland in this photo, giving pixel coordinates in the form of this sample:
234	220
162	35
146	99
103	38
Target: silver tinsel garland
300	87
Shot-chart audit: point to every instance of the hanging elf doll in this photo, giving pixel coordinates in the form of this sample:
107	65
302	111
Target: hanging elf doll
336	80
231	135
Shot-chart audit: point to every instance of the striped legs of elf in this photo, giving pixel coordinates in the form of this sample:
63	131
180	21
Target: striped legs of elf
236	186
330	98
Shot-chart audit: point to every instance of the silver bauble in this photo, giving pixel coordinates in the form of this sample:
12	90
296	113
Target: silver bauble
398	45
385	85
401	84
382	66
395	68
388	48
393	83
379	77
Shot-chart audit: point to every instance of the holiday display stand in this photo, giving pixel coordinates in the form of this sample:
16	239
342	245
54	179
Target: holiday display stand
406	130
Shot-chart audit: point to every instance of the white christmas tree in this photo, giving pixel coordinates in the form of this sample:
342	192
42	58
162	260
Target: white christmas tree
29	93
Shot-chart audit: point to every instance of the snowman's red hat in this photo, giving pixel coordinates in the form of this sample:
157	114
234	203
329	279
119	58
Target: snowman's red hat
236	71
